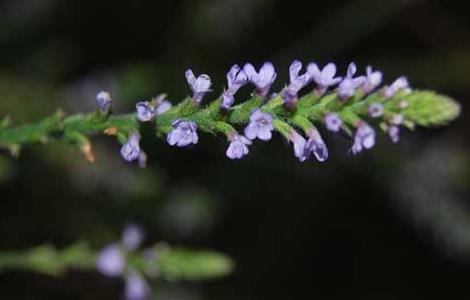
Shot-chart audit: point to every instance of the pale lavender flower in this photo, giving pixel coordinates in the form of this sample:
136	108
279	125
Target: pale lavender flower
136	287
262	79
104	101
183	133
373	80
145	111
163	107
299	145
238	146
297	82
397	119
131	150
347	87
375	110
236	78
260	126
323	78
394	133
142	159
316	145
111	261
364	138
400	84
200	85
333	122
161	104
132	236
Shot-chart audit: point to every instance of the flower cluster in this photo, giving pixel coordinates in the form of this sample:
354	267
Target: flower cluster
260	121
112	262
314	96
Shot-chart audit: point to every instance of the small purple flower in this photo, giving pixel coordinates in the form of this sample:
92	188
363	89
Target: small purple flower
397	119
145	111
132	237
364	138
238	147
400	84
297	82
323	78
262	79
142	159
299	145
333	122
161	104
316	145
373	80
200	85
136	288
260	126
375	110
111	261
131	150
104	101
347	87
183	133
394	133
163	107
236	79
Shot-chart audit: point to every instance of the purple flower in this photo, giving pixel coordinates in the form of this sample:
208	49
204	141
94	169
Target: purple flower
145	111
297	82
394	133
364	138
104	101
333	122
236	79
260	126
373	80
136	287
262	79
400	84
375	110
132	237
131	150
316	145
183	133
323	78
238	147
299	145
347	87
142	159
111	261
200	86
161	104
163	107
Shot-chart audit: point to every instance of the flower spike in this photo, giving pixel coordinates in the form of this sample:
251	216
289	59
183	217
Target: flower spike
261	116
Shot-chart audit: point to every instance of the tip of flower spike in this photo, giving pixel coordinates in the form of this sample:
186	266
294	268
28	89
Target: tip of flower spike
427	108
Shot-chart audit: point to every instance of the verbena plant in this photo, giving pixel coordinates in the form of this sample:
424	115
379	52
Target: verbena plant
351	104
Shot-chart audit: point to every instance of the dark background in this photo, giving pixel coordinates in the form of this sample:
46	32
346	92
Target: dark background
392	223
